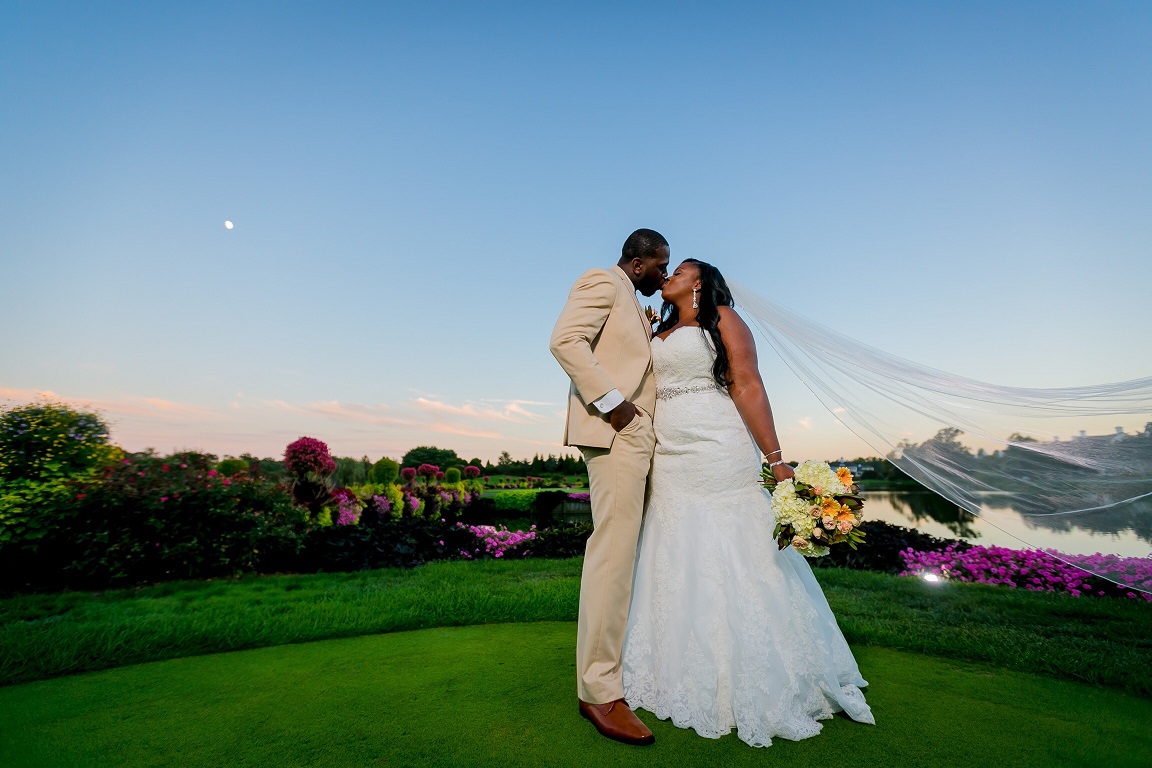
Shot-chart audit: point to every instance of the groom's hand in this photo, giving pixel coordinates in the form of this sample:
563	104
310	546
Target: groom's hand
622	415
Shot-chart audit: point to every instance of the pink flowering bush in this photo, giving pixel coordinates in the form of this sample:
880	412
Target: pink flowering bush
152	518
471	473
495	542
309	456
1031	569
311	466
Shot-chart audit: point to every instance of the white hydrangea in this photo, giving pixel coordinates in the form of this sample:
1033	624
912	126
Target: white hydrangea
819	474
791	509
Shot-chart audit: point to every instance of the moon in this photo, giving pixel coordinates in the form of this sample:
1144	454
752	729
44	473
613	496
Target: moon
228	225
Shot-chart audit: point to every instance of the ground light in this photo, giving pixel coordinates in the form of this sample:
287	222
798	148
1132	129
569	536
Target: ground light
931	578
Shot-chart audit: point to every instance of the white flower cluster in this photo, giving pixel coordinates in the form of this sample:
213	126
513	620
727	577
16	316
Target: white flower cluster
792	510
819	475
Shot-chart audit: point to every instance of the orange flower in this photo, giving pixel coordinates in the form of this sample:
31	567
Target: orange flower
845	476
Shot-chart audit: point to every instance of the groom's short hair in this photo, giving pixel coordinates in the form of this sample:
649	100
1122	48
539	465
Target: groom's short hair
642	244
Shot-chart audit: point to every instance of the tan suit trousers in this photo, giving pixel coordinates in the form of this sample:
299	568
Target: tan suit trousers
617	479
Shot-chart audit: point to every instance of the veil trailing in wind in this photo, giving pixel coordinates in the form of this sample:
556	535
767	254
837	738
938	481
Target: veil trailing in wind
992	450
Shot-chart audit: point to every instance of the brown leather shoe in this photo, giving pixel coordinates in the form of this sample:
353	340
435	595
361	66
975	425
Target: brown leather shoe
616	721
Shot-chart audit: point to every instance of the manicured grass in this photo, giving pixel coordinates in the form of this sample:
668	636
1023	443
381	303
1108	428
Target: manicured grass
1102	641
1091	640
47	635
503	695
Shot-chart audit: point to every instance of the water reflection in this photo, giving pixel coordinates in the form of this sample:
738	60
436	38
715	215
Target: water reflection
1124	530
924	506
1134	517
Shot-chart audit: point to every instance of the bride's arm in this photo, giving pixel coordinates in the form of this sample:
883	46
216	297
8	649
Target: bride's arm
747	388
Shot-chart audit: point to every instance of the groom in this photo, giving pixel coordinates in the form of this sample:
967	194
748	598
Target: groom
602	341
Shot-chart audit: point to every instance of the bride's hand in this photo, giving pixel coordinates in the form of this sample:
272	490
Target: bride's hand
782	472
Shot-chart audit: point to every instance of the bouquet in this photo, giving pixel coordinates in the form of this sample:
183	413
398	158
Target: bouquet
816	509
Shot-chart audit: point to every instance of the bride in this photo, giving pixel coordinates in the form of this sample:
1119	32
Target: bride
724	631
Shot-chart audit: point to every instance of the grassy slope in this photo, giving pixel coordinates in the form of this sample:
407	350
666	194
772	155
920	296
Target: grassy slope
502	695
1104	641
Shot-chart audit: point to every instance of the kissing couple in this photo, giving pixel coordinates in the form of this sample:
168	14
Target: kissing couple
687	607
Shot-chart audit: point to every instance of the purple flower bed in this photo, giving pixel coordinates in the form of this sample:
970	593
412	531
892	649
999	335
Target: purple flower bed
496	542
580	496
348	507
1032	569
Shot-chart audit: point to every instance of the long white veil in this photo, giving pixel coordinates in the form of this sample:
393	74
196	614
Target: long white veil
986	447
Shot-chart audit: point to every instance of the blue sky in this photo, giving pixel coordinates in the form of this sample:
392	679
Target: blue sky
414	188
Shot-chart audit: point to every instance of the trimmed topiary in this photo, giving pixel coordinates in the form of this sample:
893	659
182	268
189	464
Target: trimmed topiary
384	472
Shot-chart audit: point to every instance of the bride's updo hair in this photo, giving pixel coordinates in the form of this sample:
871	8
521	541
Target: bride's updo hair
713	294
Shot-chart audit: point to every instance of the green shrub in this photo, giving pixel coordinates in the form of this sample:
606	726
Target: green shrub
384	472
152	519
30	510
230	467
395	498
46	440
47	451
514	501
451	476
561	541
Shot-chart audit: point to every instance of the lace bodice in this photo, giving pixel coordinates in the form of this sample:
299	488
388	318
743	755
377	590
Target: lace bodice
683	359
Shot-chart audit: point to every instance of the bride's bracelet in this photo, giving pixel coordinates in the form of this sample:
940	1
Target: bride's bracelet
776	463
778	450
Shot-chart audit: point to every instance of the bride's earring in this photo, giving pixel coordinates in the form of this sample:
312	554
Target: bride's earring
695	304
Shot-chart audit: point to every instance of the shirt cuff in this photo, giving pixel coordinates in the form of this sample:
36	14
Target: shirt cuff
609	401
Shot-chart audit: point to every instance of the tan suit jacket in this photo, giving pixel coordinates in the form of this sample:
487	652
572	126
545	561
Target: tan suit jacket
602	340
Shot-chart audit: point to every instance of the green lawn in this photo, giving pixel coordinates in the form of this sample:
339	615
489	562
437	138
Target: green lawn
503	695
1085	639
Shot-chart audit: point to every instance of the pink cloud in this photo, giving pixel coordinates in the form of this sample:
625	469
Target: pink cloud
249	424
123	406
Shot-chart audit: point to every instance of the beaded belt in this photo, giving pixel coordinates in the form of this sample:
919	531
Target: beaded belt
666	393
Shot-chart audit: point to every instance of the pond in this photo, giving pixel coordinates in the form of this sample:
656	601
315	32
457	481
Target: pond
1126	532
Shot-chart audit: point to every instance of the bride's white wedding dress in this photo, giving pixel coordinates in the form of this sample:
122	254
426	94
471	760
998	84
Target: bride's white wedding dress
725	629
